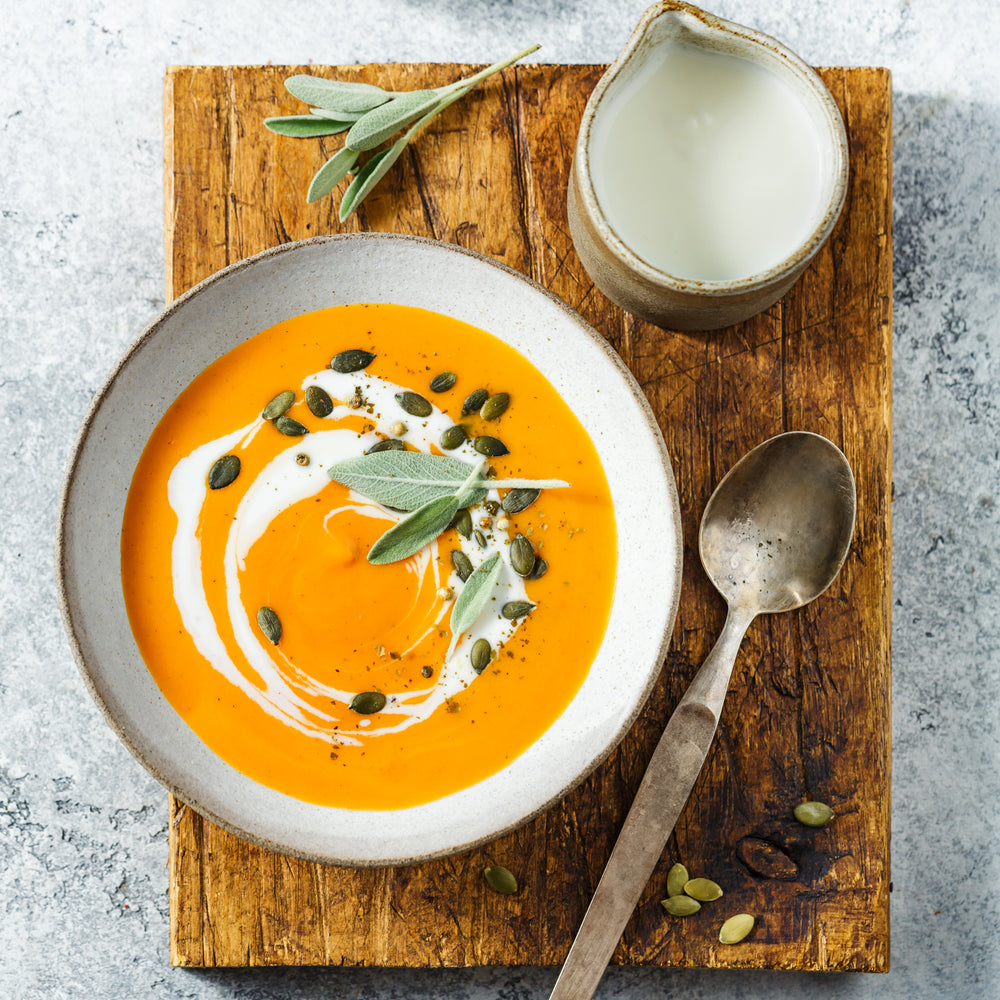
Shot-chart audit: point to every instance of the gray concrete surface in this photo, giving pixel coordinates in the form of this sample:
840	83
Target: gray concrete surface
83	907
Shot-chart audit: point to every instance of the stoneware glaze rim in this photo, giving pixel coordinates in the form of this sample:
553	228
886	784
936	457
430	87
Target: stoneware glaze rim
702	23
123	689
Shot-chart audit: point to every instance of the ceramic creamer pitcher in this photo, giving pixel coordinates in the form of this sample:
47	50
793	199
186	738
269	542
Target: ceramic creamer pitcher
728	118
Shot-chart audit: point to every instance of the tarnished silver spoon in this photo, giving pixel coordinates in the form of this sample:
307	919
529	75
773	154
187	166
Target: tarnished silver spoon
773	537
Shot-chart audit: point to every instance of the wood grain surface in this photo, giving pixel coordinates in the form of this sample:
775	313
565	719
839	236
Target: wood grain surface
808	710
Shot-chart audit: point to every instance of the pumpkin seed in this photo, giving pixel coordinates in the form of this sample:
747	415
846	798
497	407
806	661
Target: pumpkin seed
474	401
223	472
736	928
462	523
680	906
453	437
278	405
703	889
814	813
443	381
518	499
481	654
495	406
368	702
539	569
516	609
499	879
319	402
414	403
462	564
676	878
522	555
270	624
491	447
480	538
352	361
389	444
302	458
291	427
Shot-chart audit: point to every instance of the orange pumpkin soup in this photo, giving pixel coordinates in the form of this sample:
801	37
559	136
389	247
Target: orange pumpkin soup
253	602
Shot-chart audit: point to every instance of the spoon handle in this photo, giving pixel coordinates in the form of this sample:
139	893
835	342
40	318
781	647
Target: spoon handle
665	787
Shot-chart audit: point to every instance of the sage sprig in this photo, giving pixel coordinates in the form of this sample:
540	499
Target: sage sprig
370	116
476	592
408	480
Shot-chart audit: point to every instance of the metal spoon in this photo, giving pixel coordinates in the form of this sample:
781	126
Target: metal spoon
773	537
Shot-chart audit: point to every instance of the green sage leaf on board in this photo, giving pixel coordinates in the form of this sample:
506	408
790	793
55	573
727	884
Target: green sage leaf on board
331	173
336	95
415	531
342	101
476	592
368	176
305	126
379	124
347	117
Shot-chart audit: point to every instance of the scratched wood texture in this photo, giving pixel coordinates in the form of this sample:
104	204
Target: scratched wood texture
808	711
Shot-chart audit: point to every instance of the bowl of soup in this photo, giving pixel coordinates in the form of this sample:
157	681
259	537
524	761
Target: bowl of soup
369	549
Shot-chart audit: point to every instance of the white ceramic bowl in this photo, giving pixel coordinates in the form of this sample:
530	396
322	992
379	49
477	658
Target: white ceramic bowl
232	306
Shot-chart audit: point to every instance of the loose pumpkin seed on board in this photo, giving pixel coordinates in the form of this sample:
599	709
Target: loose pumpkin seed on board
680	906
814	813
500	879
676	878
736	928
703	889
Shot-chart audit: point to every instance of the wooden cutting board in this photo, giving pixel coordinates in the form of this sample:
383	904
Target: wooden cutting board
808	710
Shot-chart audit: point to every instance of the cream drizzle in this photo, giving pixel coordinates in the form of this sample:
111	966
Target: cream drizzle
278	686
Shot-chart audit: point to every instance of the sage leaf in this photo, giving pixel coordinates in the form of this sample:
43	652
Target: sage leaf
476	592
306	126
379	124
336	95
406	479
409	479
368	176
415	531
331	173
348	118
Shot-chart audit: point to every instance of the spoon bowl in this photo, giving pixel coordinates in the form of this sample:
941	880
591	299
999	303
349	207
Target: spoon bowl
773	537
778	527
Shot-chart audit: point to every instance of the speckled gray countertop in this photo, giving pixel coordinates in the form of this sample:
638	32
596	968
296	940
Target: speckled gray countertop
83	836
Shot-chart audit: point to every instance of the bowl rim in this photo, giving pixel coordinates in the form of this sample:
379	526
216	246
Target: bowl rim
63	556
700	22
